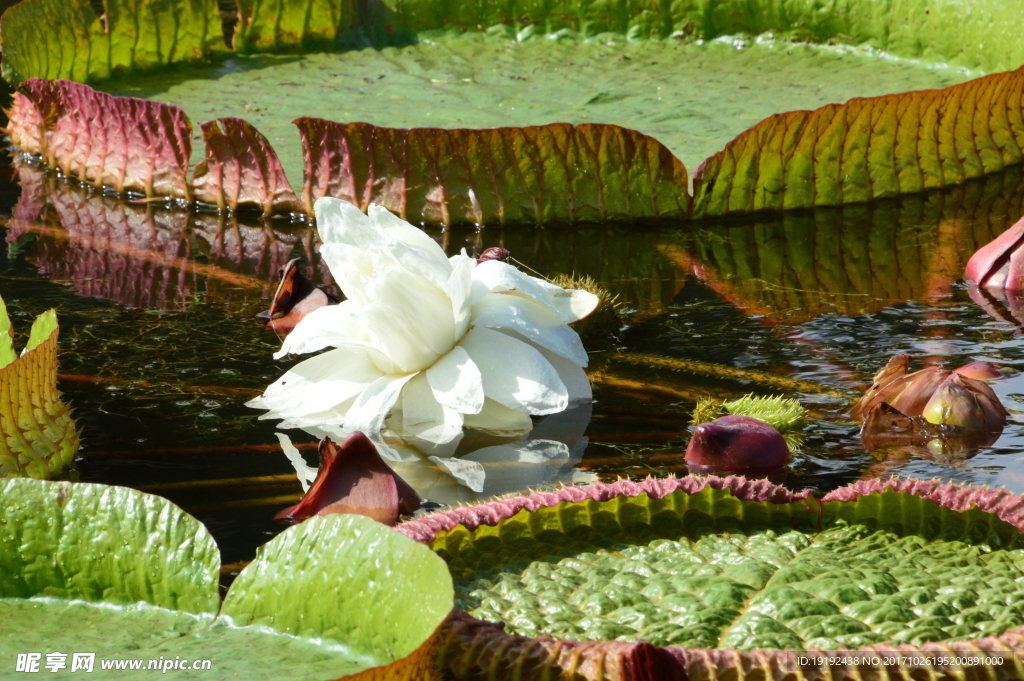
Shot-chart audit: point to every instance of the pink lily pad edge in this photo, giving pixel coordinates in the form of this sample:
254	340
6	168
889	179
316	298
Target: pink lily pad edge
469	639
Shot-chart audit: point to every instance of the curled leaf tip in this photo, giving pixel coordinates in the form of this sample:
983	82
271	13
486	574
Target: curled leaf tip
354	479
295	298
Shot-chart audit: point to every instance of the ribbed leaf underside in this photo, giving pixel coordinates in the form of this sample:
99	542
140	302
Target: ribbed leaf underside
65	38
241	170
983	34
38	437
271	25
124	143
556	172
868	148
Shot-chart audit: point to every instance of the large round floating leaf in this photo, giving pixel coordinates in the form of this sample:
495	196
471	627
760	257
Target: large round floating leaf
106	544
348	578
694	565
132	578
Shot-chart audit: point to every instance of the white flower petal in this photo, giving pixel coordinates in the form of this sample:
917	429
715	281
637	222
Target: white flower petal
320	383
424	417
469	473
353	269
333	417
514	373
329	326
570	304
304	472
340	222
411	247
497	419
530	320
411	319
456	382
575	379
374	403
496	276
460	290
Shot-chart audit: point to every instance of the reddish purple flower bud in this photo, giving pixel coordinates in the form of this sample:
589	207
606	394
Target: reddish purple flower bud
494	253
999	265
354	479
737	444
982	371
295	298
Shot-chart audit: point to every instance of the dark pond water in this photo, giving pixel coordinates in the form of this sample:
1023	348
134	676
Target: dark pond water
160	348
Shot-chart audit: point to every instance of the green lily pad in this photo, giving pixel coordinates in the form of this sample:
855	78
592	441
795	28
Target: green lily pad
130	577
707	563
692	98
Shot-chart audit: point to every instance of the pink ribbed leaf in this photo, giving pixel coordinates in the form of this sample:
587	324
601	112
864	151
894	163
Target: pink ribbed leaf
242	170
535	174
127	144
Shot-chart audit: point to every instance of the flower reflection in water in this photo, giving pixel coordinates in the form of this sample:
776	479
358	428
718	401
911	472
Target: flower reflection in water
482	466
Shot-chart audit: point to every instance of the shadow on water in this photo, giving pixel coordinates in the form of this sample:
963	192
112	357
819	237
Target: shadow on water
160	349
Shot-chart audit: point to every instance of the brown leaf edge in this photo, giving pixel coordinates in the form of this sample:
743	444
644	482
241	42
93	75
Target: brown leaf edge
38	436
867	149
474	649
419	665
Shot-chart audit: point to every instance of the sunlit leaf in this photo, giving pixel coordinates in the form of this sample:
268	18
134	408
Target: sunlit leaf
537	174
729	576
868	148
130	576
65	38
241	170
38	437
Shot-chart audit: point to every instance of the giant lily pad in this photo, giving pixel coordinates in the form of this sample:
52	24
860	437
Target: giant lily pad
842	153
699	565
129	576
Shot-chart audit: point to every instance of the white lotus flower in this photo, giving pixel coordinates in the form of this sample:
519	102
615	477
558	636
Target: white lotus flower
428	343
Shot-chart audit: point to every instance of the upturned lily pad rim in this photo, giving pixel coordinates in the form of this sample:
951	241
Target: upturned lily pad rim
1003	504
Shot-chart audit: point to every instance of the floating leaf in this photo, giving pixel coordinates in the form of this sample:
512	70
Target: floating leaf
241	170
289	24
38	437
65	39
695	564
867	149
130	576
127	144
556	172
